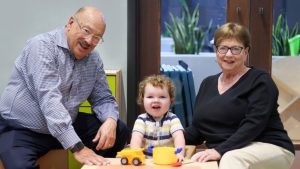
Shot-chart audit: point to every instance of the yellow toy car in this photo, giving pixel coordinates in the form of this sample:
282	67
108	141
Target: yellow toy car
132	156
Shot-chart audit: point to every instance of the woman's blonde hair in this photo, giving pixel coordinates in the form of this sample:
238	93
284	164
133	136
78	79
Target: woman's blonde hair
157	81
235	31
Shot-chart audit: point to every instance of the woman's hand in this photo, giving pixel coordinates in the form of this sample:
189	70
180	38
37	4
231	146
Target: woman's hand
206	155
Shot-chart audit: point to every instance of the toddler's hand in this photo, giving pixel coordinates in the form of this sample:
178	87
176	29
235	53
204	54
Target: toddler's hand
180	157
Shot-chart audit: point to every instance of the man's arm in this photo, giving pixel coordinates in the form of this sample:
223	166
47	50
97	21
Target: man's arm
103	102
41	74
106	109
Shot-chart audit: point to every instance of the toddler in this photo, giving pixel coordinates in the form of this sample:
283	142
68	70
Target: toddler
157	126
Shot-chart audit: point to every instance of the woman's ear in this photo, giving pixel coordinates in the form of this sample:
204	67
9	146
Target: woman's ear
247	49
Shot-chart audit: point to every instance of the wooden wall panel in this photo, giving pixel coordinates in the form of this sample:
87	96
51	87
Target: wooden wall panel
143	49
257	16
237	11
261	30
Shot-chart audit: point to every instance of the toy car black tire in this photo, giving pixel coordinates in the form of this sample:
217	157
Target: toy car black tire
124	161
136	162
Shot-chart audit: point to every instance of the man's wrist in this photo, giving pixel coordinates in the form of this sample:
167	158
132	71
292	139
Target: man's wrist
77	147
111	119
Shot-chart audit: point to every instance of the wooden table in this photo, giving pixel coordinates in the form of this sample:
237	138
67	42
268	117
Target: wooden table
116	164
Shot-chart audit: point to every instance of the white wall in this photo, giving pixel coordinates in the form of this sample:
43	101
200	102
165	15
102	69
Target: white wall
22	19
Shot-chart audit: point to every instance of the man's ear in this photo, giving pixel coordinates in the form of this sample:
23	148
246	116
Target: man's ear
70	22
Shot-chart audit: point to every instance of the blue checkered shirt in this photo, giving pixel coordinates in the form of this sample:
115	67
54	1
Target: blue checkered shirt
48	85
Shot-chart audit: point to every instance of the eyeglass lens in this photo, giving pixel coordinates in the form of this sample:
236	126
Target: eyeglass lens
234	50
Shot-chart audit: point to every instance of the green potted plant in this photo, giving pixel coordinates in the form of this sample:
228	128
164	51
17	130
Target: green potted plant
187	35
281	35
188	40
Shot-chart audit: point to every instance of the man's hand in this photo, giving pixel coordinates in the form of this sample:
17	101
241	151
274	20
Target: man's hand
89	157
206	155
106	135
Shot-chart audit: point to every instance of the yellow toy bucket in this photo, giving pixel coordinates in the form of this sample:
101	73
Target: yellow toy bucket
164	155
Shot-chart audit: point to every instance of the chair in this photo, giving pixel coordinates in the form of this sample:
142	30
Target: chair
285	73
189	151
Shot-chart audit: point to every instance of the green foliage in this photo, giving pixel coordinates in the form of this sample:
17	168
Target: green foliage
281	35
188	37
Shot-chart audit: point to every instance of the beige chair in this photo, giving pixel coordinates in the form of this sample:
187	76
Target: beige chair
285	73
189	151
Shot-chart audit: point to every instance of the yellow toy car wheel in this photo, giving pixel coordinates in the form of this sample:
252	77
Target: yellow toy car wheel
124	161
136	162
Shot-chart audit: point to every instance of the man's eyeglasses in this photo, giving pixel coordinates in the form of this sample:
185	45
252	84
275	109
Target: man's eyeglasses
235	50
85	31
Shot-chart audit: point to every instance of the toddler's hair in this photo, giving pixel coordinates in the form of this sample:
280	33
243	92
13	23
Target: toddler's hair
157	81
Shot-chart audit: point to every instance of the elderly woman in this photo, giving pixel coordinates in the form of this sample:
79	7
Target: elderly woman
236	111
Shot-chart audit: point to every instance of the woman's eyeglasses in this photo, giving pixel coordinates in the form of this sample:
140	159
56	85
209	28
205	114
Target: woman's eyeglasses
235	50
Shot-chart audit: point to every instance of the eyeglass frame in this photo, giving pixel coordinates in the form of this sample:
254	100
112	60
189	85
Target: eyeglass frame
230	48
84	30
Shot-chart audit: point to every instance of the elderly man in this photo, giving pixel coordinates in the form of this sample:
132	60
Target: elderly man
54	74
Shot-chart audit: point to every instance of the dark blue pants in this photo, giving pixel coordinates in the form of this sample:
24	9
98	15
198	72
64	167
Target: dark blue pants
20	147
